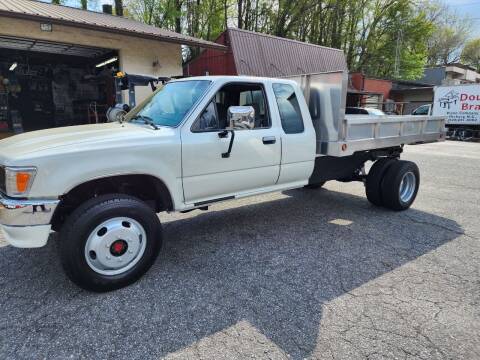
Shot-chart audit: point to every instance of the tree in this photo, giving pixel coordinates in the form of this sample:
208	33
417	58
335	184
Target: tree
57	2
119	7
142	10
84	4
449	36
382	38
385	38
471	53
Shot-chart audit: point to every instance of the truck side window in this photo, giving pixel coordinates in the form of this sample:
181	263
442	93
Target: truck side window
208	120
422	110
214	117
289	109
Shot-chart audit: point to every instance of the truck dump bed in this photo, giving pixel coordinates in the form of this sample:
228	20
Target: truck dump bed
342	135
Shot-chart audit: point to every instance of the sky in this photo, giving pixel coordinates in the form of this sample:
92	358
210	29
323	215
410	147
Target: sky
470	8
93	4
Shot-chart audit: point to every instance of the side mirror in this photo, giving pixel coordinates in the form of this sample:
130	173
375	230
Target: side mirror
241	117
117	112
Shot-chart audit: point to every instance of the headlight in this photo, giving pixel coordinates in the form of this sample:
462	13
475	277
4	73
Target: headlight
18	180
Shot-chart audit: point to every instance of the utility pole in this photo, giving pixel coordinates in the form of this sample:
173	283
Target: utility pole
398	54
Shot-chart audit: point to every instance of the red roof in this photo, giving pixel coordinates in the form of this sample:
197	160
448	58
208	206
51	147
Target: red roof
266	55
254	54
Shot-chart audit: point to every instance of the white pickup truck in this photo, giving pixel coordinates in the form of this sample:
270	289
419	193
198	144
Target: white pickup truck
194	142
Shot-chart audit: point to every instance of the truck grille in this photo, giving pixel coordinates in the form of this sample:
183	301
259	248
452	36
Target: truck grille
2	179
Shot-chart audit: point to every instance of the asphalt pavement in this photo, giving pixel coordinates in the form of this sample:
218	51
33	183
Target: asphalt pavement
316	274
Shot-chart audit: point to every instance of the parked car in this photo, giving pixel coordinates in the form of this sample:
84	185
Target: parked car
363	111
423	110
195	142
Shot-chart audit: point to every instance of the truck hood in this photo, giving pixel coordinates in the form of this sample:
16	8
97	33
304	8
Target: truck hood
69	137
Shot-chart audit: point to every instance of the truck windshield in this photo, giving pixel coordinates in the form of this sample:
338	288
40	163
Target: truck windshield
170	104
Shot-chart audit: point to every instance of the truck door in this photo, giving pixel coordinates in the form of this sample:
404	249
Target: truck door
298	138
254	160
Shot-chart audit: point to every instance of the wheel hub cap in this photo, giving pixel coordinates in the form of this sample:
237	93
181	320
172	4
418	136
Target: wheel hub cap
407	187
118	248
115	246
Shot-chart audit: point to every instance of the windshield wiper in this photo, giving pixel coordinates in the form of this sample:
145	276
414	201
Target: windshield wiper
146	119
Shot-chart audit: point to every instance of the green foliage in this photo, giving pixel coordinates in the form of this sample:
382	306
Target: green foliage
450	32
471	53
395	46
383	38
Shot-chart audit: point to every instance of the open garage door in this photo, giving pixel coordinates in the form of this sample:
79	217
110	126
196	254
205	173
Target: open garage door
48	84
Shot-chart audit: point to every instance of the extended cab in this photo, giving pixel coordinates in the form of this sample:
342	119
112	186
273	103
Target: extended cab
194	142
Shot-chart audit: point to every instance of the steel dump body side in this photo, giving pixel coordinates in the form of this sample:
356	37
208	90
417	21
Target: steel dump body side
342	135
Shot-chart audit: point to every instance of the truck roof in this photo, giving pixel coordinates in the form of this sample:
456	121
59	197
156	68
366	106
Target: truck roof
229	78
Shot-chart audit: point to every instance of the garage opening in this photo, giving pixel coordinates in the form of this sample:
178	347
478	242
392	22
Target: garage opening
47	84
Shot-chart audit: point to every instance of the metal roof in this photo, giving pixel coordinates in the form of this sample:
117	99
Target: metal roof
36	10
266	55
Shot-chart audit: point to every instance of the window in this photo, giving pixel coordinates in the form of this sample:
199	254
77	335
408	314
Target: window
422	110
208	120
289	109
215	115
171	103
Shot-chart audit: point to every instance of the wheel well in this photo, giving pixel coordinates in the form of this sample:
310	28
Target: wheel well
145	187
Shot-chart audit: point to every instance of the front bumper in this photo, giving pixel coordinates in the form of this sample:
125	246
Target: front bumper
26	223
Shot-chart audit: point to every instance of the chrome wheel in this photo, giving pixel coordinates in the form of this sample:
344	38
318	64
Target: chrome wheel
407	187
115	246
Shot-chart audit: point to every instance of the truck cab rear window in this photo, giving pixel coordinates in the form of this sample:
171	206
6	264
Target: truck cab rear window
289	109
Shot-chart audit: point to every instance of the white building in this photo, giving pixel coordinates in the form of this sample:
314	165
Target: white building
57	62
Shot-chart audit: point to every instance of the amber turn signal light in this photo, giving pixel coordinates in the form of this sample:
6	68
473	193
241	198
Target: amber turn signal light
23	180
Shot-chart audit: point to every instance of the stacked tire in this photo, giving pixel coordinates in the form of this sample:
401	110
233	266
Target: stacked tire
393	183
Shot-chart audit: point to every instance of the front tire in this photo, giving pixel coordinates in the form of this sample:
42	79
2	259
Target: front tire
400	185
109	242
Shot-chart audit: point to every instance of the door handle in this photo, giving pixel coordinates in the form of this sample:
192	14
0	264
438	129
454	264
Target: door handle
268	140
227	154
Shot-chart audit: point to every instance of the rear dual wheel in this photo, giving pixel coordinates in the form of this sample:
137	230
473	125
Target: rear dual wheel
393	183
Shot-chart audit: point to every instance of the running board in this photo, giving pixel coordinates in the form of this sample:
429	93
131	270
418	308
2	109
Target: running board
213	201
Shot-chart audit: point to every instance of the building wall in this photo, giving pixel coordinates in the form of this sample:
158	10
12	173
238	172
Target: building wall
357	80
449	75
137	55
456	75
433	76
378	86
212	62
413	98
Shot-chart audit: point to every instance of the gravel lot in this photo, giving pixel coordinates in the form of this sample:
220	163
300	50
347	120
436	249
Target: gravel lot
301	274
